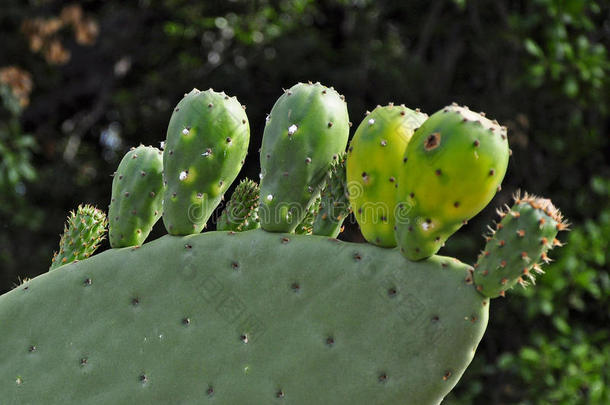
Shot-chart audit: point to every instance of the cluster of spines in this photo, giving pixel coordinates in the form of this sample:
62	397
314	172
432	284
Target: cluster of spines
334	201
83	232
241	212
306	226
519	244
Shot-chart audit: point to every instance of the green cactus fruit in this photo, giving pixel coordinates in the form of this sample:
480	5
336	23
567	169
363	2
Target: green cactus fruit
520	242
452	168
241	212
374	162
306	225
83	232
241	318
207	142
334	204
307	128
137	197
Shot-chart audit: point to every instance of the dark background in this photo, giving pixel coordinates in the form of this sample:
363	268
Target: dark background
82	82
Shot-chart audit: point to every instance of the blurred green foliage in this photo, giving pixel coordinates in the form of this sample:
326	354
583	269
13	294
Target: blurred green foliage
541	67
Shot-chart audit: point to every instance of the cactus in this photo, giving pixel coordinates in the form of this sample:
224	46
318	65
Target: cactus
262	317
334	204
452	168
137	194
301	319
83	232
520	242
373	164
207	142
307	128
306	225
241	212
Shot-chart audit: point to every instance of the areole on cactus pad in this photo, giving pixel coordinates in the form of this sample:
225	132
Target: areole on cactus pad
267	316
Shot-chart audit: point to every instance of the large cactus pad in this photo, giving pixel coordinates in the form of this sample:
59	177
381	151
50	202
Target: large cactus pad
241	318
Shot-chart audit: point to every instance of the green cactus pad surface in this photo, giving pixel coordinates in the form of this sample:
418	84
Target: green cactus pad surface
334	202
516	248
307	129
207	142
83	232
137	196
241	318
241	212
374	162
452	168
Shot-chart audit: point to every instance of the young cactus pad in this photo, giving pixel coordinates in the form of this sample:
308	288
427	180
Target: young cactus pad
452	168
334	203
83	232
374	162
207	142
137	195
241	318
518	245
306	130
306	225
241	212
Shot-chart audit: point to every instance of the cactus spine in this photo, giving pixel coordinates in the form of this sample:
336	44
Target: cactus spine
373	165
207	142
306	225
307	128
452	168
334	203
137	195
241	212
518	246
83	232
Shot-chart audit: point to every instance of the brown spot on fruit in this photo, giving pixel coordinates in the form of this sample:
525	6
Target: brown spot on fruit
432	141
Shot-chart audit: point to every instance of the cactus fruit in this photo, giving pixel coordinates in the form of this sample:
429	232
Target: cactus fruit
515	249
241	212
241	318
207	142
374	162
307	128
137	195
334	203
452	168
83	232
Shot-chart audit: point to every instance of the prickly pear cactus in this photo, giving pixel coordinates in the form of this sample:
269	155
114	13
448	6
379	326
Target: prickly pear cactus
207	141
334	204
452	168
241	318
241	212
83	232
259	317
137	195
373	165
520	242
306	130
